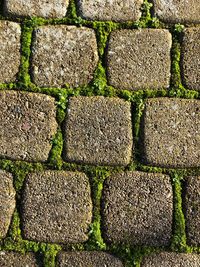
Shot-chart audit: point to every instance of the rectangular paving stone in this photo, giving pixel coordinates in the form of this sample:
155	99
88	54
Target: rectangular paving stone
7	202
139	59
192	210
115	10
138	209
90	259
13	259
98	131
35	8
191	58
56	207
166	259
10	35
171	133
28	124
63	55
176	11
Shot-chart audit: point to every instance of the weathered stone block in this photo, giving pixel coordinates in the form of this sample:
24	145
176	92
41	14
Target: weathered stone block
10	34
28	125
7	202
115	10
35	8
56	207
92	259
171	130
138	209
191	58
11	259
98	131
63	55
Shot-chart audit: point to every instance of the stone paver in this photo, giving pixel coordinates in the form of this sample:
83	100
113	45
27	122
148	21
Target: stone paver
12	259
166	259
57	207
90	259
10	34
139	59
28	125
98	131
7	201
35	8
192	210
171	133
115	10
191	58
176	11
137	209
63	55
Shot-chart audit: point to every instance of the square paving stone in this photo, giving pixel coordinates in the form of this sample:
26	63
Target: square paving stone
166	259
7	202
138	209
139	59
63	55
171	133
56	207
115	10
89	259
10	35
191	58
13	259
192	210
176	11
98	131
28	124
35	8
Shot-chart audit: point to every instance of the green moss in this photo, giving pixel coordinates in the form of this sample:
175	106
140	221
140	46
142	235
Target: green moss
55	158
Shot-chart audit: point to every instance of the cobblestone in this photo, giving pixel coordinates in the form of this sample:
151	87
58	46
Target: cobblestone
171	132
12	259
137	209
57	207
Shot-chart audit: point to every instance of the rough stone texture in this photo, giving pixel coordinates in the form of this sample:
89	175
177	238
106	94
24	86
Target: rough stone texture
12	259
137	209
115	10
171	134
27	125
166	259
191	58
7	201
98	131
90	259
63	55
176	11
35	8
57	207
192	210
10	34
139	59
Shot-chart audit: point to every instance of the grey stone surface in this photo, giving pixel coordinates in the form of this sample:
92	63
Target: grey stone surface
98	131
191	58
115	10
63	55
7	202
171	132
176	11
10	34
56	207
192	210
13	259
138	209
166	259
28	125
139	59
90	259
35	8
